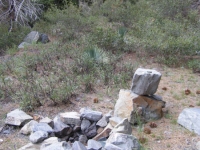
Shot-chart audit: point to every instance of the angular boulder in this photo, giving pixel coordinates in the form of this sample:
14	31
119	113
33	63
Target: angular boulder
132	106
102	122
90	114
60	128
17	117
38	136
32	37
94	145
123	127
48	121
28	128
190	119
145	81
70	118
124	141
42	127
78	146
43	38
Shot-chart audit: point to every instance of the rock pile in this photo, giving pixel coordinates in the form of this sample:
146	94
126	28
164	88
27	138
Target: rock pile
140	102
73	131
91	130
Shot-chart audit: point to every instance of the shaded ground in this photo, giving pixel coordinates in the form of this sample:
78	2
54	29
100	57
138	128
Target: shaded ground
168	135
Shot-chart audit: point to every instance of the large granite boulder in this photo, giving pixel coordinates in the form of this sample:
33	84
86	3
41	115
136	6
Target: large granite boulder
145	81
124	141
17	117
134	107
190	119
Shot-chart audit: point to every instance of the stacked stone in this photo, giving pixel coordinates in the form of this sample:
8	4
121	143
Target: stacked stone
140	102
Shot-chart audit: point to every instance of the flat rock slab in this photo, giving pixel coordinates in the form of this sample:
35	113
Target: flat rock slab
30	146
70	118
90	114
17	117
145	81
190	119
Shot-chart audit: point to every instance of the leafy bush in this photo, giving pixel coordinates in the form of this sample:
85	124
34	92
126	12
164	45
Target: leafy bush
10	39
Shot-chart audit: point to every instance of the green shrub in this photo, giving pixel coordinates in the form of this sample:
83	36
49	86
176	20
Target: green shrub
10	39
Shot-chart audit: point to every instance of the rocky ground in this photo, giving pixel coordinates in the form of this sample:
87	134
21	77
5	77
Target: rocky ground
167	135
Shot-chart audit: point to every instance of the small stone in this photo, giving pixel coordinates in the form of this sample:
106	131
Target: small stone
61	129
70	118
85	125
145	81
1	141
78	146
123	127
38	136
92	131
43	38
48	121
28	128
90	114
83	139
198	92
42	127
114	121
99	130
17	117
102	122
94	145
76	128
108	115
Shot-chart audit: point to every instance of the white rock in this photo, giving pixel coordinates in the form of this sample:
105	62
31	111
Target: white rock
198	145
27	128
30	146
48	121
32	37
145	81
190	119
70	118
17	117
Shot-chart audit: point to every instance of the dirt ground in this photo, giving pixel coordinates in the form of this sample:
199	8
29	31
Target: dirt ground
168	135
